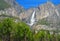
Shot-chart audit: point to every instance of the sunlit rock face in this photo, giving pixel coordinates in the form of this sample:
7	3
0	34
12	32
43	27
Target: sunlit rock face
9	12
14	8
58	7
14	4
48	11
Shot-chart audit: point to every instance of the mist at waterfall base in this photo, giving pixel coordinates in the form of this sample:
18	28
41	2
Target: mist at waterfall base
32	20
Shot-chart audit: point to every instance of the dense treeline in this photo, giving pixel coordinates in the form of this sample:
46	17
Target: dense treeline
11	30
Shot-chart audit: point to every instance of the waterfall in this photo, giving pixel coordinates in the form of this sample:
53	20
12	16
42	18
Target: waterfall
32	20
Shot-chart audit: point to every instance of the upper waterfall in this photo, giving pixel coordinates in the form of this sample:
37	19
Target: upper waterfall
32	20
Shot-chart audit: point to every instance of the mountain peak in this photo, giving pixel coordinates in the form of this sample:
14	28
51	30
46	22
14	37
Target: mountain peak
48	2
14	4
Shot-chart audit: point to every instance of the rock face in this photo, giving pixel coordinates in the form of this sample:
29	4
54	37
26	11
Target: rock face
9	12
14	4
48	11
51	14
13	10
10	8
43	11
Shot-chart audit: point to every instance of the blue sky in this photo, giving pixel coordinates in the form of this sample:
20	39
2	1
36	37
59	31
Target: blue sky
34	3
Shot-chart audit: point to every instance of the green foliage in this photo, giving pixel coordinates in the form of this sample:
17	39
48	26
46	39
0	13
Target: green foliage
44	35
19	31
22	31
39	36
6	28
3	5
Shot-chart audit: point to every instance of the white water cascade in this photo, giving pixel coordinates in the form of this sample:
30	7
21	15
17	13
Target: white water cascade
32	21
